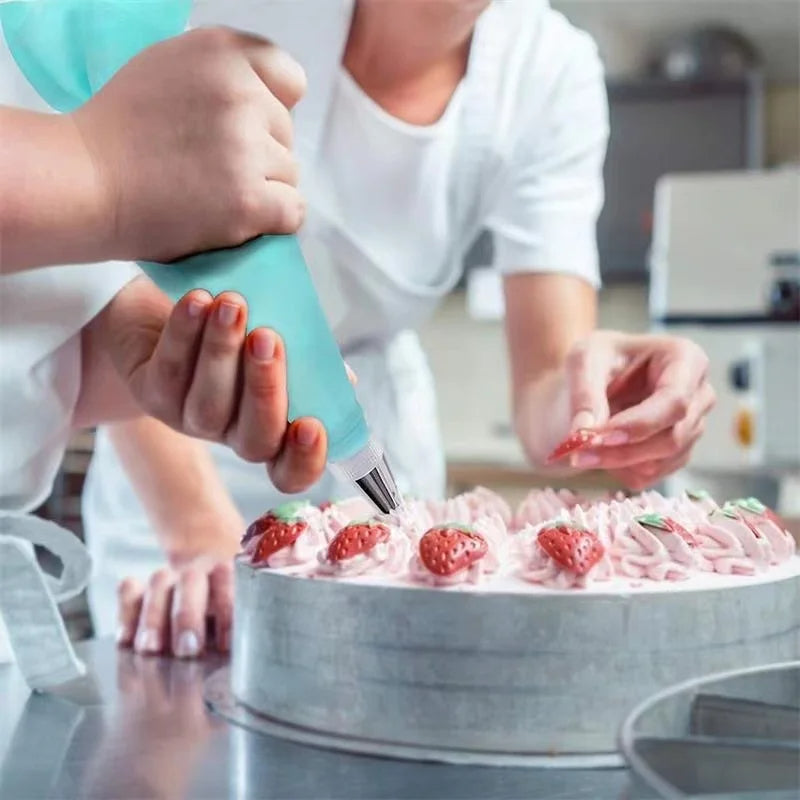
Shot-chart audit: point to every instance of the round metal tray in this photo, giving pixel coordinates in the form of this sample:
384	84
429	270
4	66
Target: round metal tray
220	699
734	734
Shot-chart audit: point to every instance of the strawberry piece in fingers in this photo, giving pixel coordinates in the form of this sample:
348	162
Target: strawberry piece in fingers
577	440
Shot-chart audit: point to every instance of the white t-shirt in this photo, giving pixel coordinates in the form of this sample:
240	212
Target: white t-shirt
380	193
406	225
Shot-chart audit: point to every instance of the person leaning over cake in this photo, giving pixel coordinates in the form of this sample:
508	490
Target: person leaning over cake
423	124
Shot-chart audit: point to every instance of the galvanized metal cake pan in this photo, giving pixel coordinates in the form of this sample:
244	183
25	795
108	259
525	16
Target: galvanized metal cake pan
494	673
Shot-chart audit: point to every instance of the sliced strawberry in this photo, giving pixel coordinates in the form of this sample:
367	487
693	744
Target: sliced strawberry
276	535
288	512
662	523
581	438
447	549
355	539
575	549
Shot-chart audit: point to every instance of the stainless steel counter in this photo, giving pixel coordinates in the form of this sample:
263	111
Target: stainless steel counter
138	728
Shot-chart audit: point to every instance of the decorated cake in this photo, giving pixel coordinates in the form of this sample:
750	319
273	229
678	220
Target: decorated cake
464	628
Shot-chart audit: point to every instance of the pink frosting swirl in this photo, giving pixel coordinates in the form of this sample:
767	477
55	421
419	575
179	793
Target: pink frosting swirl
386	558
538	566
647	551
304	549
494	531
542	505
639	538
781	543
732	547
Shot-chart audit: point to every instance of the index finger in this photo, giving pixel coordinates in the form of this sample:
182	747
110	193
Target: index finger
130	594
588	369
221	603
277	70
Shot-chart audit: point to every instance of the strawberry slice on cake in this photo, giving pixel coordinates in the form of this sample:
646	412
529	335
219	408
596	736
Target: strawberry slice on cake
565	556
450	554
284	536
363	547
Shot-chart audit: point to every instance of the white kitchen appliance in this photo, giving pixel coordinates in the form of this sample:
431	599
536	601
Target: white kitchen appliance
725	272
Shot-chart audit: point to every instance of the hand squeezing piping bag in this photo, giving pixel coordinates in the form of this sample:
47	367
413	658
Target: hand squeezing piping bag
68	49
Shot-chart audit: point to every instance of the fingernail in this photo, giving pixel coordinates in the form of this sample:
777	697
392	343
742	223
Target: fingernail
123	636
227	314
614	438
583	419
585	460
188	645
263	345
196	307
306	434
148	641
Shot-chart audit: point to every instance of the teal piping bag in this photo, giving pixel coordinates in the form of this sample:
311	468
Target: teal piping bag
67	50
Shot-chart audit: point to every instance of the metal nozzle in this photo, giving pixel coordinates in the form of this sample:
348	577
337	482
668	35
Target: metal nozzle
379	486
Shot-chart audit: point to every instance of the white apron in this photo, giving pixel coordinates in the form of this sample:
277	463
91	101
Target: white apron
371	311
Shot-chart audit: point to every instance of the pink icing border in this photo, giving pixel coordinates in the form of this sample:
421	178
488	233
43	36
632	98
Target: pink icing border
633	552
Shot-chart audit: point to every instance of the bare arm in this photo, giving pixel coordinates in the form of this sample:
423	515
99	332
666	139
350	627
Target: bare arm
199	528
646	396
53	209
179	485
546	316
126	175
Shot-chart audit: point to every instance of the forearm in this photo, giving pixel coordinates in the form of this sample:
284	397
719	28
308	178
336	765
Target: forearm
180	488
104	397
546	316
53	208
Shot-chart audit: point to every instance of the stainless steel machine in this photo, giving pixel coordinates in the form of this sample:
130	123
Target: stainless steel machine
725	272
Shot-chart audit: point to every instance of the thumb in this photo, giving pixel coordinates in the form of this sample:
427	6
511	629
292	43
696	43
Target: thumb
589	368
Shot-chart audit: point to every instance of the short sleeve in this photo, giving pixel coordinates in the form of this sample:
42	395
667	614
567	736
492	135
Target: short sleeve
43	311
550	197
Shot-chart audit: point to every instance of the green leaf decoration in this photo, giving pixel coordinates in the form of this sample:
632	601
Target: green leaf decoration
290	511
751	504
653	521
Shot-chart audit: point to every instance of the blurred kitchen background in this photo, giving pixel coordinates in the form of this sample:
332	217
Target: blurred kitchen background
705	87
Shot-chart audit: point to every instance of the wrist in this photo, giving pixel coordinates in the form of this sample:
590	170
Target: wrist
213	534
101	194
